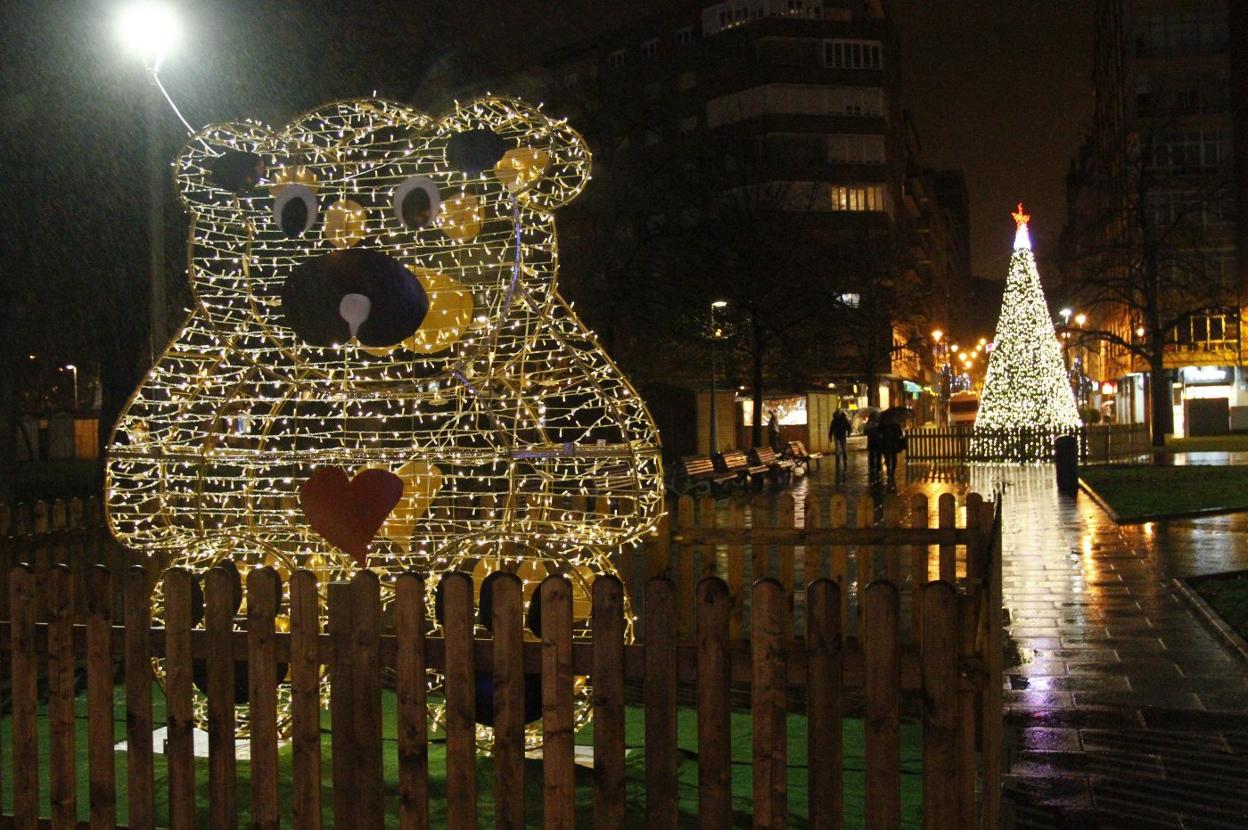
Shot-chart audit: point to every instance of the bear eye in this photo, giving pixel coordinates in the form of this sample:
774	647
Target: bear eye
294	209
416	202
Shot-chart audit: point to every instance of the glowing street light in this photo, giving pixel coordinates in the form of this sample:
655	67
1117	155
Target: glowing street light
937	334
1065	313
149	29
1080	319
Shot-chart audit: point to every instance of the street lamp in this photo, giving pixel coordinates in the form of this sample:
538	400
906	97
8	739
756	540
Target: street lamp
942	357
74	372
150	30
717	334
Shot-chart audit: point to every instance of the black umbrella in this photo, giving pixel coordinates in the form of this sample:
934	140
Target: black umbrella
895	414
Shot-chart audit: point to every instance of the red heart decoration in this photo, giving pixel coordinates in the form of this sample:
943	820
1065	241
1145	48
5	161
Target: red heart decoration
348	512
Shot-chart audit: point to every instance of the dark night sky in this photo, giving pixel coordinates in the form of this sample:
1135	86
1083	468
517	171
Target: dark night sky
1001	89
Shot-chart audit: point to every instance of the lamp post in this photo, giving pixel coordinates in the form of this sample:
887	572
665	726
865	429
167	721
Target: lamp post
1081	362
150	29
941	356
717	334
73	370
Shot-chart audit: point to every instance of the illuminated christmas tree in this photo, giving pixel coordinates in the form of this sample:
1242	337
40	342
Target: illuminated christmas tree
1026	387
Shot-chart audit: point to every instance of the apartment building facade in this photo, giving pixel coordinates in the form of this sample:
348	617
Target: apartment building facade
801	97
1163	178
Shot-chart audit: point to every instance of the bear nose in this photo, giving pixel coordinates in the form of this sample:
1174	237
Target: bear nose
363	294
354	308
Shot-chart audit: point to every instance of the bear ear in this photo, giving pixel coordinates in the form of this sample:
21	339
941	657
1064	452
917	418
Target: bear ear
540	159
223	163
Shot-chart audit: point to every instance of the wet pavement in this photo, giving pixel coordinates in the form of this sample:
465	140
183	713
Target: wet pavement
1125	711
1122	708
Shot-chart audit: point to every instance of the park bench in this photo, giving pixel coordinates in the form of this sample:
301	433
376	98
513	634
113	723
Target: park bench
736	462
797	453
779	468
697	472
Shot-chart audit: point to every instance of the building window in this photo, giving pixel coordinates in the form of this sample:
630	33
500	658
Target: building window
855	100
853	54
1211	332
684	36
688	123
688	80
857	197
1195	32
850	300
852	148
1190	149
650	48
616	59
794	99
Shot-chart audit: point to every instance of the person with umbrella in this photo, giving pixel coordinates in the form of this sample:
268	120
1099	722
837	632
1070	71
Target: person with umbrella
892	437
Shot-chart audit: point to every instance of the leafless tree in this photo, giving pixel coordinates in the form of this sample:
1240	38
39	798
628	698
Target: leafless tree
1142	252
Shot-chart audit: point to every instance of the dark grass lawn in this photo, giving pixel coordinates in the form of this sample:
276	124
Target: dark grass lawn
1135	491
1228	594
911	779
1208	443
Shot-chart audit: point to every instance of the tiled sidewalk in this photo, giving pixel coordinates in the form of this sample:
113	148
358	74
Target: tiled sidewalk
1126	711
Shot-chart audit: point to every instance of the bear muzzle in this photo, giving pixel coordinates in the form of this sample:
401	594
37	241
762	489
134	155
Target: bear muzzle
357	293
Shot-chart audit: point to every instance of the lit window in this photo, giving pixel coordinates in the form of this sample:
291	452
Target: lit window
616	59
850	300
857	198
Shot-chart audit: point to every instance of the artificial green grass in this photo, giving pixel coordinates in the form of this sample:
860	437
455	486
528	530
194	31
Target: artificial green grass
1138	491
1228	595
1208	443
687	771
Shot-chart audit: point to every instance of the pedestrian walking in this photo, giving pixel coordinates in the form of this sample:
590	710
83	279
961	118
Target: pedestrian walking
838	431
892	442
773	431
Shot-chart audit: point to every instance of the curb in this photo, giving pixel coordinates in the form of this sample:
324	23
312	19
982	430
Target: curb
1100	502
1202	513
1229	636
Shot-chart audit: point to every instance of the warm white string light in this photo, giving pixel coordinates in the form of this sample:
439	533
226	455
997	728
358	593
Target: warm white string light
518	442
1026	388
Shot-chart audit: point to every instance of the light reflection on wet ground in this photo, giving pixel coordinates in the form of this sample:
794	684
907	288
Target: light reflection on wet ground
1123	709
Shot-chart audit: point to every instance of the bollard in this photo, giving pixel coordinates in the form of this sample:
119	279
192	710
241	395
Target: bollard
1066	454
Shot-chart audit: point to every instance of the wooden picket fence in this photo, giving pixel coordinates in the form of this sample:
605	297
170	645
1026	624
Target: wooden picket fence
882	614
71	531
1098	444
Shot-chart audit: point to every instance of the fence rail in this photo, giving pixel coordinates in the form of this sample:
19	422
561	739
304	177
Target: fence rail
817	663
1098	444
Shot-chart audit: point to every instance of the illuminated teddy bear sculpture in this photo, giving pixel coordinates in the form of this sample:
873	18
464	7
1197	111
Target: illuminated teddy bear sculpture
378	370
